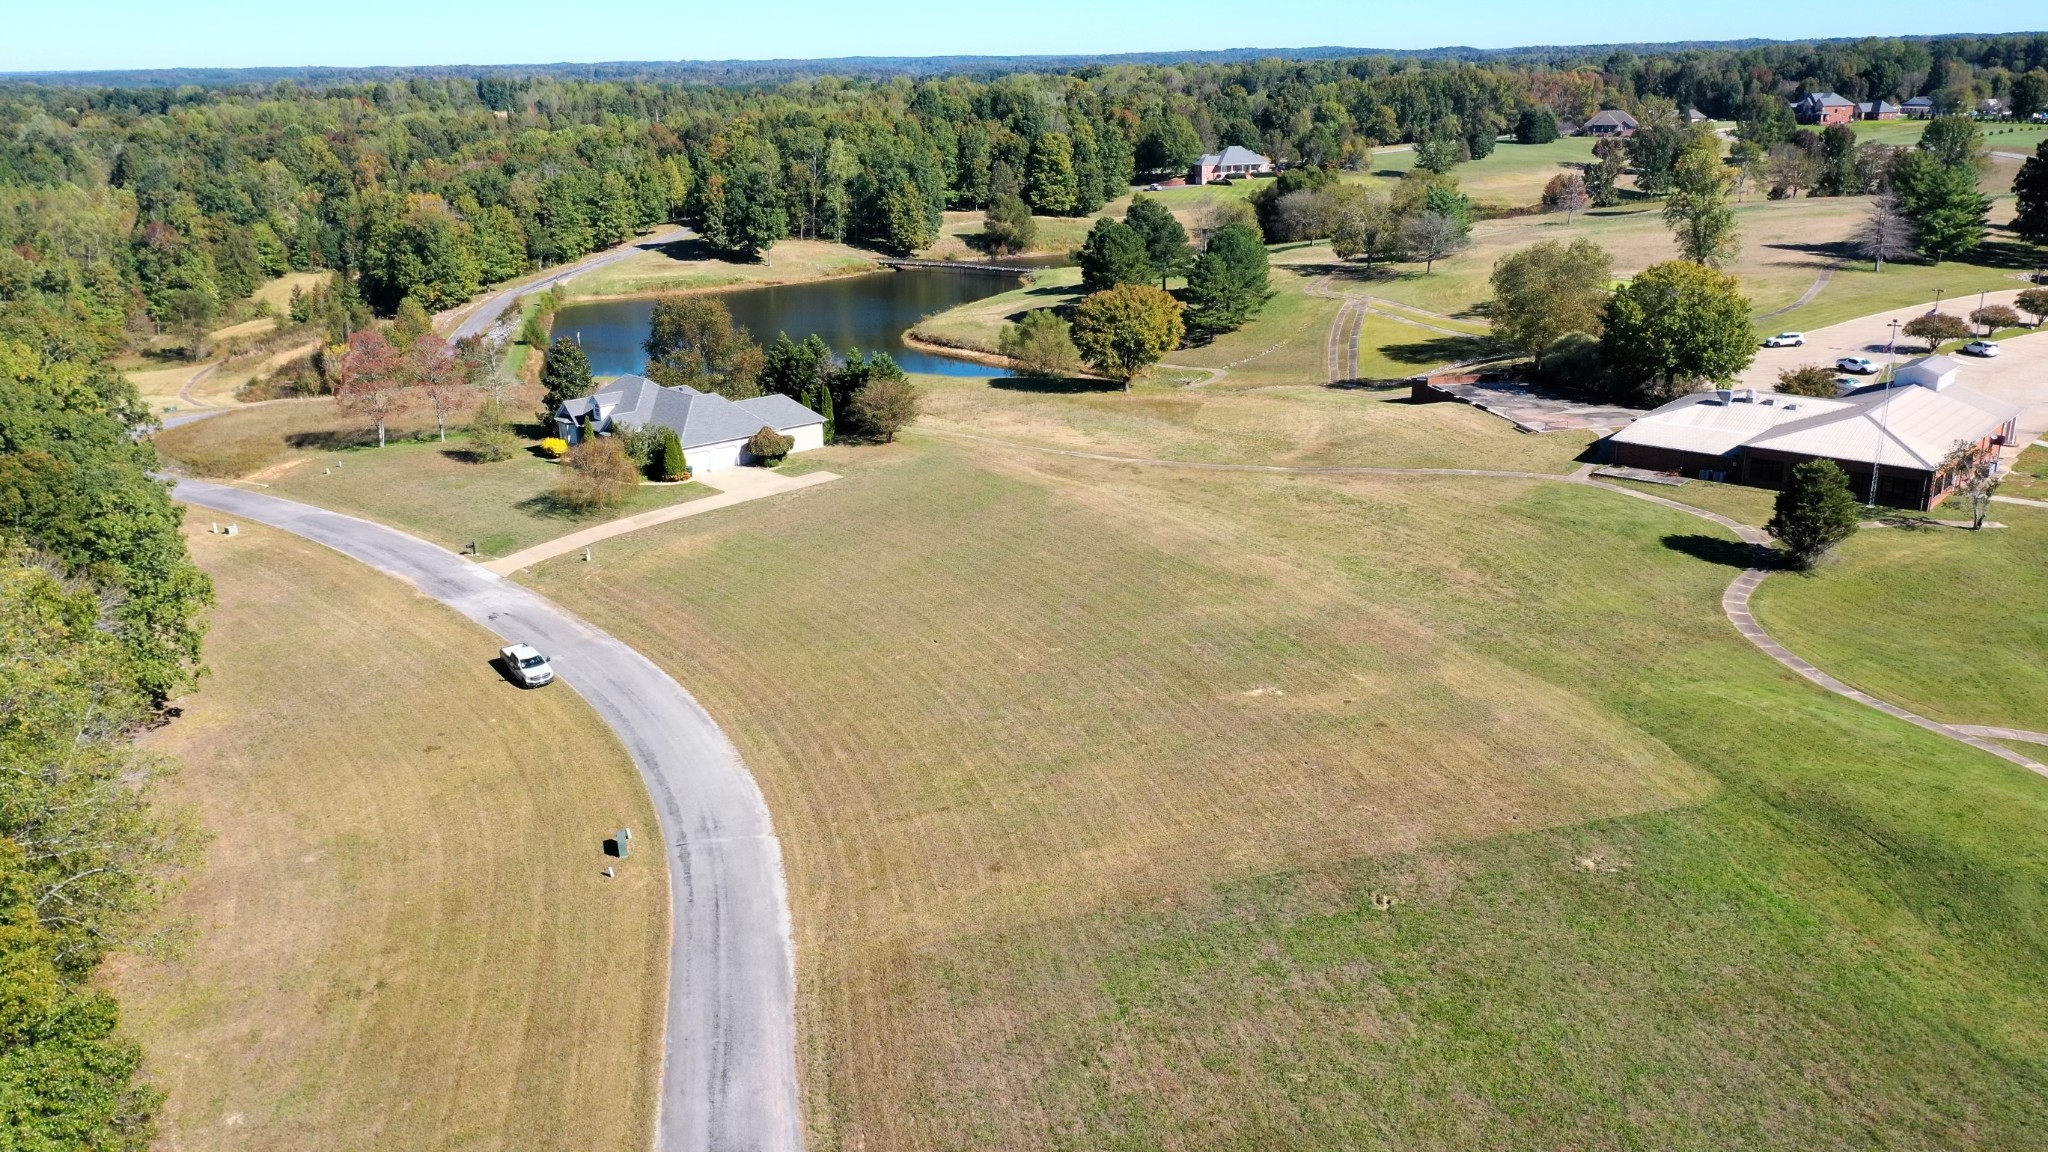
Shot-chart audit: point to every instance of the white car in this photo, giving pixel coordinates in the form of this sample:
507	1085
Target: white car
1861	366
1787	340
526	666
1980	348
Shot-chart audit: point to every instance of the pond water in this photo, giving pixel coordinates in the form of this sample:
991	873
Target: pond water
869	312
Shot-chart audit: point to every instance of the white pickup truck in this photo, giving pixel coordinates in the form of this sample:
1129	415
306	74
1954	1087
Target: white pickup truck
526	666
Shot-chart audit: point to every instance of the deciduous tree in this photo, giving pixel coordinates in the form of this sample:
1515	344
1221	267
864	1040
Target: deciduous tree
1431	237
1808	380
1548	289
1673	325
373	380
1993	317
1040	345
441	378
1566	193
1936	329
692	341
2034	302
1886	233
1697	210
1125	330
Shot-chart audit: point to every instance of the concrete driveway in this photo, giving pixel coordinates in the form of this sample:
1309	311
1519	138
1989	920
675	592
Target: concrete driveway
2018	375
728	1077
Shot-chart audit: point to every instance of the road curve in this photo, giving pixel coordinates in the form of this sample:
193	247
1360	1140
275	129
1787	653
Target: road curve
476	317
729	1064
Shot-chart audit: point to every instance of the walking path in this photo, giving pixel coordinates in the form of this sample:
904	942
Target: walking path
1805	298
734	485
728	1077
1734	602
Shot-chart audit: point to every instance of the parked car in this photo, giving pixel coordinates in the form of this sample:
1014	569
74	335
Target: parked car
526	666
1861	366
1980	348
1787	340
1153	188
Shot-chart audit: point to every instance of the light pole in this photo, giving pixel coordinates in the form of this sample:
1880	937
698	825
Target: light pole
1937	300
1980	308
1884	415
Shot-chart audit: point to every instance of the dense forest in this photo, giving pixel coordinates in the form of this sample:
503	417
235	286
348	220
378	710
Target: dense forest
139	210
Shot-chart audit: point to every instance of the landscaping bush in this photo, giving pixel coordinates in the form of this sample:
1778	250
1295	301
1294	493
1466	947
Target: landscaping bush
669	462
1996	316
887	404
1937	328
555	446
1040	345
490	438
1808	380
769	446
640	444
598	475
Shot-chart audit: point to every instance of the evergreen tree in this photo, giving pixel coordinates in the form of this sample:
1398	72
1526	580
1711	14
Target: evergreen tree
1536	125
2030	189
1228	283
1814	512
1949	215
1113	254
564	375
670	462
1166	242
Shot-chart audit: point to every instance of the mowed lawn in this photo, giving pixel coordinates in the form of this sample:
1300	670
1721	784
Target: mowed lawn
308	451
401	937
1953	624
1149	808
693	265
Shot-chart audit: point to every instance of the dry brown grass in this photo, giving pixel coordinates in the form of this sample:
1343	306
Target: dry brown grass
401	937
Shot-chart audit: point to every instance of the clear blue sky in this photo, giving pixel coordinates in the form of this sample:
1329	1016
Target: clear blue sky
84	34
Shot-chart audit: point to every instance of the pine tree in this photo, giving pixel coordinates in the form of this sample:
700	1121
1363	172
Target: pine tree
1815	511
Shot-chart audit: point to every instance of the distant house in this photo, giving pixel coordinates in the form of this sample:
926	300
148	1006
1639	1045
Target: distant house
1695	116
1743	437
1823	108
1993	109
1566	126
1230	164
1918	108
1877	110
713	429
1613	122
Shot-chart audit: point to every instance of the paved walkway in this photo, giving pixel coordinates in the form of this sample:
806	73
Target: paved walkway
1734	602
735	486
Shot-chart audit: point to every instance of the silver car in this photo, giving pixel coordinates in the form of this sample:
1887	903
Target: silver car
1786	340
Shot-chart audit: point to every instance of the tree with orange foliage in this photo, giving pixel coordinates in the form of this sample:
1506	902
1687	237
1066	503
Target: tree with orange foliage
373	380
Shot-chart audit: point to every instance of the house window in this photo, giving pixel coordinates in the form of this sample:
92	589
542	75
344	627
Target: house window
1768	473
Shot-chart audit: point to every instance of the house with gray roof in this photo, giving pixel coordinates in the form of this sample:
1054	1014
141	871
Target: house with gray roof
713	429
1613	122
1233	163
1918	108
1823	108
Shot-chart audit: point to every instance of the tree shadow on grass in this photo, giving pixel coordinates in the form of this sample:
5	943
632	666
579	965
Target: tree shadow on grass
1438	350
336	439
1720	550
1061	386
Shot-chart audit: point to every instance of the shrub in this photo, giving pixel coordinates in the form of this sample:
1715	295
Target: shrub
1040	345
1572	361
640	444
1996	316
1808	380
669	463
769	446
490	439
1815	512
886	404
1937	328
2034	301
598	476
555	446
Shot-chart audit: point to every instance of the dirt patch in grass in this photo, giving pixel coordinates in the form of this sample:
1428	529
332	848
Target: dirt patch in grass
401	937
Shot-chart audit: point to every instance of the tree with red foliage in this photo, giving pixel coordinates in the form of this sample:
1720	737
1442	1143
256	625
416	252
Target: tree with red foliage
373	380
444	379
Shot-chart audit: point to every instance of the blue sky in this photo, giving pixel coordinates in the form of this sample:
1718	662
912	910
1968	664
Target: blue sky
83	34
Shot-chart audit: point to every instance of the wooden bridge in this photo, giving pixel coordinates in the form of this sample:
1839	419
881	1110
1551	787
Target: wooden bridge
962	266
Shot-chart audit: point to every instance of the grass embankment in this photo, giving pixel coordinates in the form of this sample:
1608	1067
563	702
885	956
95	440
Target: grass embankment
960	235
309	451
2029	476
1949	623
1090	776
400	938
693	265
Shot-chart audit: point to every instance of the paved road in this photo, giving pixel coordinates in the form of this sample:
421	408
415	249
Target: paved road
474	318
2018	375
729	1072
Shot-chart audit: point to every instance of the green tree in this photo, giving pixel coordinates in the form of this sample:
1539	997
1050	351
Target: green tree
1049	180
1697	210
2034	302
887	404
1125	330
564	375
616	212
1766	120
1674	325
2030	192
1168	145
1113	254
907	218
669	462
1814	511
1007	226
692	342
1603	176
1951	141
1949	215
1166	242
490	437
1536	125
1838	171
2030	93
1439	154
1040	345
1808	380
1548	289
1936	329
1227	285
795	370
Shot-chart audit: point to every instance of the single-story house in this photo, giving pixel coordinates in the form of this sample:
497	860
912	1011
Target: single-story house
1613	122
1918	108
1992	109
1566	126
1694	115
1230	164
1823	108
1742	437
1877	110
714	430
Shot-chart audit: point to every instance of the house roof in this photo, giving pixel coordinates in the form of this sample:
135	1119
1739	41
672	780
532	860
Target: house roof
1613	116
1826	100
1920	102
1909	426
699	418
1234	155
1939	365
1880	106
1706	424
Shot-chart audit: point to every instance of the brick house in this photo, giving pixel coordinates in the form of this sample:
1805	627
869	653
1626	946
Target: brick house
1233	163
1878	110
1823	108
1918	108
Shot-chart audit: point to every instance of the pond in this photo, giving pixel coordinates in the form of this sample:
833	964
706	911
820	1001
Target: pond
869	312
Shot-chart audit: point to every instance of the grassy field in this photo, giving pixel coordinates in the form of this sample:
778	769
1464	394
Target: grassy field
1512	176
2029	477
691	265
1953	624
307	450
960	234
401	937
1159	808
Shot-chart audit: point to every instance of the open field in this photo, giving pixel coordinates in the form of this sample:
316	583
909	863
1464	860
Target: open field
1513	176
401	937
692	265
1089	775
2028	479
1952	624
307	450
960	234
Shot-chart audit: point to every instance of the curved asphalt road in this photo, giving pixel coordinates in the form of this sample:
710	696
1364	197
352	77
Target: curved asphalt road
729	1069
478	318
